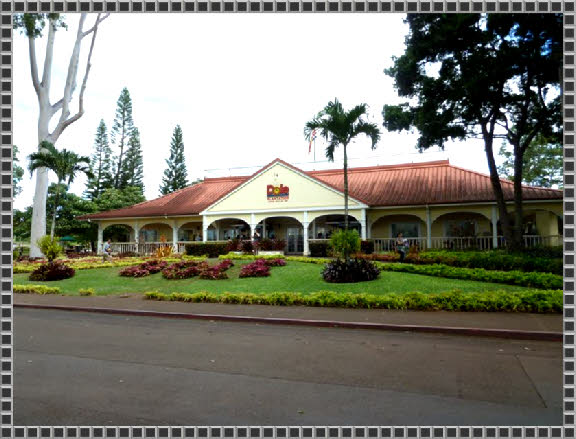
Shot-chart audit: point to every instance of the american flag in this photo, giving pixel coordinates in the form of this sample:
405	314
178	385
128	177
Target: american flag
312	138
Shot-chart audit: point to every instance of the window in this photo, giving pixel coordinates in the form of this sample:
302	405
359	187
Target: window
149	235
460	228
408	229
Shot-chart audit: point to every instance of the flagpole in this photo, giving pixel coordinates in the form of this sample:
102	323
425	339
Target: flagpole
314	149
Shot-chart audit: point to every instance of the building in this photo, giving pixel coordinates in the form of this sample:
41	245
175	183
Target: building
434	204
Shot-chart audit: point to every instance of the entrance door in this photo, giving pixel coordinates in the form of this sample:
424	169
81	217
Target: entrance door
294	240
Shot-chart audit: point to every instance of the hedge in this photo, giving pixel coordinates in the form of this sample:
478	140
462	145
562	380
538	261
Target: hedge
534	280
210	249
537	301
490	260
35	289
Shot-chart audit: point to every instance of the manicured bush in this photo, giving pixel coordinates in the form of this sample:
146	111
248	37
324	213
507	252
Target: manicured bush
209	249
534	280
268	244
345	242
35	289
367	247
247	247
258	268
51	271
275	262
535	301
49	247
490	260
212	273
86	291
355	270
144	269
319	249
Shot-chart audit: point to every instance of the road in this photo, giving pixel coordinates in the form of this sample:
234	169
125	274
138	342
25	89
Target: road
96	369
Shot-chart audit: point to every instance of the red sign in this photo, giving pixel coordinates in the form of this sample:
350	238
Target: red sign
277	193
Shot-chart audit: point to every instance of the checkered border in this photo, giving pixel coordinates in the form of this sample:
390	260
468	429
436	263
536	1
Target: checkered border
279	6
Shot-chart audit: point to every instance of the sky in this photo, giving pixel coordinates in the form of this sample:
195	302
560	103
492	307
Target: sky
241	86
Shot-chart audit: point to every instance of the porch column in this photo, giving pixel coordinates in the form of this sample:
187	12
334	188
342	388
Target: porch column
305	224
252	225
363	223
175	229
494	226
428	228
100	239
217	231
136	237
204	229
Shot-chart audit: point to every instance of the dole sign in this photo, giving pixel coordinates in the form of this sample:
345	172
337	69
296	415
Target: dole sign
277	193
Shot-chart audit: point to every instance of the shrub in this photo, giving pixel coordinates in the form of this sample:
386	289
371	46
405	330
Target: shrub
319	249
126	255
268	244
134	271
538	301
233	245
355	270
258	268
49	247
212	273
153	266
367	247
51	271
345	242
86	291
247	247
164	251
210	249
35	289
275	262
534	280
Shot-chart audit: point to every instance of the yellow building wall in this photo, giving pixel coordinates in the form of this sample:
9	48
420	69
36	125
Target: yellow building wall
303	192
382	228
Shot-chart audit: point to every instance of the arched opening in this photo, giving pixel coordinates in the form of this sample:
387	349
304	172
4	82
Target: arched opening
228	228
540	227
122	238
283	228
190	232
462	230
324	226
384	231
155	233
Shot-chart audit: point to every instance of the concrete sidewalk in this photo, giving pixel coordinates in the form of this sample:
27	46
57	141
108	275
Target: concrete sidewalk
512	325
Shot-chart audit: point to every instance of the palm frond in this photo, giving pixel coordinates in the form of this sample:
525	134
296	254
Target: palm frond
370	129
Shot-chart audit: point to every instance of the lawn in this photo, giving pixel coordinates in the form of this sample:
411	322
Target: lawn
294	277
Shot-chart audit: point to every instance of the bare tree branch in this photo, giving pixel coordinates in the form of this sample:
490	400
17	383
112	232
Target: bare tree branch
78	115
95	27
47	71
33	65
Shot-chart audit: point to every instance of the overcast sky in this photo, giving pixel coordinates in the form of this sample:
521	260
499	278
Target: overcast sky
241	86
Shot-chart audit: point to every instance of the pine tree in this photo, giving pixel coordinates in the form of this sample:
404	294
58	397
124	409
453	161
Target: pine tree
175	175
133	172
100	164
121	132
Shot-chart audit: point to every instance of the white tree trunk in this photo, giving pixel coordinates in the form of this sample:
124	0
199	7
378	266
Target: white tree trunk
47	111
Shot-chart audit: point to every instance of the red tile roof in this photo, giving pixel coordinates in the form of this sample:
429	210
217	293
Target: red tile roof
409	184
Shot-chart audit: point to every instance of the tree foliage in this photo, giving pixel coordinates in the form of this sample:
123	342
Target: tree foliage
487	76
17	172
542	165
175	174
122	130
100	164
133	173
339	127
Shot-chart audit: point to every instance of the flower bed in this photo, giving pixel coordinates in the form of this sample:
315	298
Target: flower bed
52	271
144	269
35	289
258	268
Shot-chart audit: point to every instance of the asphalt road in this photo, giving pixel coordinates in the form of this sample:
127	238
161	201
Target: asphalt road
94	369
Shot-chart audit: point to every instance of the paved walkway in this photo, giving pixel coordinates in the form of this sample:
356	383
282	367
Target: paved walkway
519	322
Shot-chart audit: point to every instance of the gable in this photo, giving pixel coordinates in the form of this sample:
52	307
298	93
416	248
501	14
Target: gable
280	187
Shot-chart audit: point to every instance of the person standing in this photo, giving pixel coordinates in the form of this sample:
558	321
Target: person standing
401	246
107	250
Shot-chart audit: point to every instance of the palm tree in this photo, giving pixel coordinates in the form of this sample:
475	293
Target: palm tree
340	127
65	164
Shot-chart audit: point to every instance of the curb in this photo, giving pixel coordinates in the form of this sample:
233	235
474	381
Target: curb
482	332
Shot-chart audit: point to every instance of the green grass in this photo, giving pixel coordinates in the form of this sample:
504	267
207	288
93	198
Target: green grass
294	277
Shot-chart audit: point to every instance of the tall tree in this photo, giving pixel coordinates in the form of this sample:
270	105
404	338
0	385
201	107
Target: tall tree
175	174
65	164
33	25
542	165
121	132
133	173
17	172
339	127
486	76
100	164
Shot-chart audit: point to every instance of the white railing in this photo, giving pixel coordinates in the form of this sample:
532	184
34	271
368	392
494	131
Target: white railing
389	244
